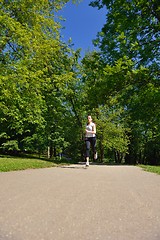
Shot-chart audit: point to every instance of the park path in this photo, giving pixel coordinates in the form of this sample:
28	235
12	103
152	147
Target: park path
75	203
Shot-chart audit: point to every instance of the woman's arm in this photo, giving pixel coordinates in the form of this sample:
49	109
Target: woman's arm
94	129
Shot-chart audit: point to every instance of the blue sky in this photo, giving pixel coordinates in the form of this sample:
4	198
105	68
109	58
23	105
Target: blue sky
82	24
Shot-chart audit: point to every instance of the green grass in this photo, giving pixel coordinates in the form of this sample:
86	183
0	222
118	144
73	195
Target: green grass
149	168
8	163
15	163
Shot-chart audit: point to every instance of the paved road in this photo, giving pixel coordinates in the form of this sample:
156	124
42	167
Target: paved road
75	203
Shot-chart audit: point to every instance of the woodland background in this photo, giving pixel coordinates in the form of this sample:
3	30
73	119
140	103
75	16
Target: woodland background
47	89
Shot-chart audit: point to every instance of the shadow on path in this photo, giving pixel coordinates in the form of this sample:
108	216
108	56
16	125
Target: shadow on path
81	165
78	166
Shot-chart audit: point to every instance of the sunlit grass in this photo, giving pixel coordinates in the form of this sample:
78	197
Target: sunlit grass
15	163
149	168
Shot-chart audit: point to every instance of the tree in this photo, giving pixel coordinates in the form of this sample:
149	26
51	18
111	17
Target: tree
131	32
131	29
102	86
34	73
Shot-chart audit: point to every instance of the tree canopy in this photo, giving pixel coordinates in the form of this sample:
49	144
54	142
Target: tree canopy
132	29
46	90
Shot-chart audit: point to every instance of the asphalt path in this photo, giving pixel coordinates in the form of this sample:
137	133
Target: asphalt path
78	203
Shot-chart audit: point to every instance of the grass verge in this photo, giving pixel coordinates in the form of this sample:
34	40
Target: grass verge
14	163
149	168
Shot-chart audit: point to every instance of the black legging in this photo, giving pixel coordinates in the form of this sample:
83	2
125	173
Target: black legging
90	141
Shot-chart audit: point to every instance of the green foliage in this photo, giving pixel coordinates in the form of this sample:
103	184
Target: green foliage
11	145
45	94
133	94
125	74
36	73
131	29
102	86
111	132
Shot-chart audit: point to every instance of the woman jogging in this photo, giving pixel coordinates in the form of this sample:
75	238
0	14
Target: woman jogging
90	139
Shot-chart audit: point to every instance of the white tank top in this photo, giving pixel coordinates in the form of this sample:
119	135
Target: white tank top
89	127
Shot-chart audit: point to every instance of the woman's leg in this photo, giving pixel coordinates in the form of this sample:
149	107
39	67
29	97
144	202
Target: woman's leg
87	151
87	147
93	145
